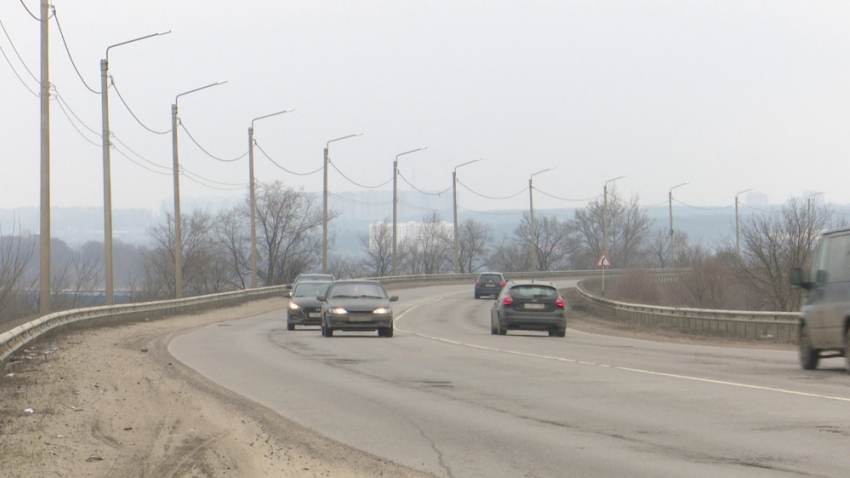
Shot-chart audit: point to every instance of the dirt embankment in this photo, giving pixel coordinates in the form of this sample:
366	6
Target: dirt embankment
112	402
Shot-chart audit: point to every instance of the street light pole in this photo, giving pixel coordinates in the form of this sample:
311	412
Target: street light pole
253	197
738	223
605	214
395	205
672	243
454	196
178	240
531	208
107	170
44	240
325	203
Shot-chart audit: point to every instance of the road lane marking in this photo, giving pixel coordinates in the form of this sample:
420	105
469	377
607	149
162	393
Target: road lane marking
625	369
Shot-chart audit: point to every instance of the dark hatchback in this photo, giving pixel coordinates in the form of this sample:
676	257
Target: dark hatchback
489	283
527	305
357	306
304	305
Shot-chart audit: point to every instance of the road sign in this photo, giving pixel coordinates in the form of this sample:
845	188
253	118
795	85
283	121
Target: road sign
603	261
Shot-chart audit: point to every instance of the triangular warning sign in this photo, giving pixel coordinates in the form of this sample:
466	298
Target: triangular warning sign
603	261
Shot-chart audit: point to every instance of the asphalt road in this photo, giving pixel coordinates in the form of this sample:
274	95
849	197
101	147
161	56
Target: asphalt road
447	397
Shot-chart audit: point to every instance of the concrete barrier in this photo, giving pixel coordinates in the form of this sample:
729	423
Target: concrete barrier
752	325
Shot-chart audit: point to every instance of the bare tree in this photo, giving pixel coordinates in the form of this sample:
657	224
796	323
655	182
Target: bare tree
551	241
774	243
378	246
435	244
474	241
16	253
659	247
233	243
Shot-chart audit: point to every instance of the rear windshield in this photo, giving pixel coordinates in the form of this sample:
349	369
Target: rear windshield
309	290
533	292
490	277
304	277
358	289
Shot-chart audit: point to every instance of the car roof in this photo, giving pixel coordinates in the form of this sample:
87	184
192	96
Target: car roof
493	273
357	281
531	282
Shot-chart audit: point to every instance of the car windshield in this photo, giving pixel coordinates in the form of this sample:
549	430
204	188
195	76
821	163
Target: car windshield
533	292
309	290
358	290
490	278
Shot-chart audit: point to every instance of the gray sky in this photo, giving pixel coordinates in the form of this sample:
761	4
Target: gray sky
726	95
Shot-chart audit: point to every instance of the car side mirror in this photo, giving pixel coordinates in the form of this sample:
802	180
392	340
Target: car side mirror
321	298
288	294
821	277
393	298
287	286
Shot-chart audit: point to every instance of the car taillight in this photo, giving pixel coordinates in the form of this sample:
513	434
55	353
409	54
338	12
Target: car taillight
502	283
508	300
478	282
560	302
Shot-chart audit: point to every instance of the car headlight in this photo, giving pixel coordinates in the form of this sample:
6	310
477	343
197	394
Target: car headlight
337	311
294	306
382	311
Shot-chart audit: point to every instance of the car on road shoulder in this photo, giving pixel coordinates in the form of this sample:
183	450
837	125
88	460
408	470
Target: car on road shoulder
304	305
357	306
489	283
824	329
529	305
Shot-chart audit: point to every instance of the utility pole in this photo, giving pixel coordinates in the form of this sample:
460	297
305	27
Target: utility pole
531	208
672	241
454	196
44	277
395	205
605	214
738	224
325	216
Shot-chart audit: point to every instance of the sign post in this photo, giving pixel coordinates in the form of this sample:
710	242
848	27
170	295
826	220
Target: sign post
604	263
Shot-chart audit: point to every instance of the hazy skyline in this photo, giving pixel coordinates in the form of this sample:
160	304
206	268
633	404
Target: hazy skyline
725	95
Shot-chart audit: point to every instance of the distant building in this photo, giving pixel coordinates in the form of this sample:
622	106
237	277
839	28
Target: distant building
756	199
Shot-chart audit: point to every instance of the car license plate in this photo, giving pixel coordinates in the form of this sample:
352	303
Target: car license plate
315	314
535	306
359	319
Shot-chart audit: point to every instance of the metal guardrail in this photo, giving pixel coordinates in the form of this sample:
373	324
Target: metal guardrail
16	338
777	326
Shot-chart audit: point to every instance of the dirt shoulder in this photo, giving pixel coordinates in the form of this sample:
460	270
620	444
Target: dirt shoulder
112	402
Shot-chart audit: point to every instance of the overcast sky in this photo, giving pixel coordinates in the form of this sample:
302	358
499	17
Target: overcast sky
725	95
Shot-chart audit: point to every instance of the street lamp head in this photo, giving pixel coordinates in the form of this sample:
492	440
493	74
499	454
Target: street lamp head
342	138
135	40
612	180
273	114
742	192
542	171
468	162
411	151
677	186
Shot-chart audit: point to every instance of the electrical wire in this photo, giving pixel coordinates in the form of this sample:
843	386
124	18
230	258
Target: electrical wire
212	187
62	100
62	107
421	191
356	183
491	197
188	173
62	34
281	167
117	150
180	123
755	208
16	73
167	168
18	54
702	208
492	213
401	201
564	199
115	87
28	11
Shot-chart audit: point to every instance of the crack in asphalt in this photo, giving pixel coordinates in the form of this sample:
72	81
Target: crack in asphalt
440	459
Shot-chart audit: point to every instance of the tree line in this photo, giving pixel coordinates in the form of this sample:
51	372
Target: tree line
217	255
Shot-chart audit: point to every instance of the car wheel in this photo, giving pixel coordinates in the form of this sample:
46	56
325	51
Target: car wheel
809	356
290	326
477	296
387	332
329	332
493	330
557	333
501	330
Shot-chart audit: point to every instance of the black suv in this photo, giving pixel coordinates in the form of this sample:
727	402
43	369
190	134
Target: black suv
529	305
489	283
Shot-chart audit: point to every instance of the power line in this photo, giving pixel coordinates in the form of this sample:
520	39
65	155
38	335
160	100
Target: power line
62	107
117	150
421	191
702	208
281	167
423	208
167	168
493	213
62	100
363	203
18	53
62	34
491	197
28	11
211	187
16	73
207	152
564	199
356	183
112	81
188	173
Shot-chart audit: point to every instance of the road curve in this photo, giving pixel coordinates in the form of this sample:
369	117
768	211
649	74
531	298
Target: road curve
445	396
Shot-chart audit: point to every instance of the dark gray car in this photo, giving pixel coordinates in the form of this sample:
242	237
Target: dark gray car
357	306
527	305
489	283
825	315
304	305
